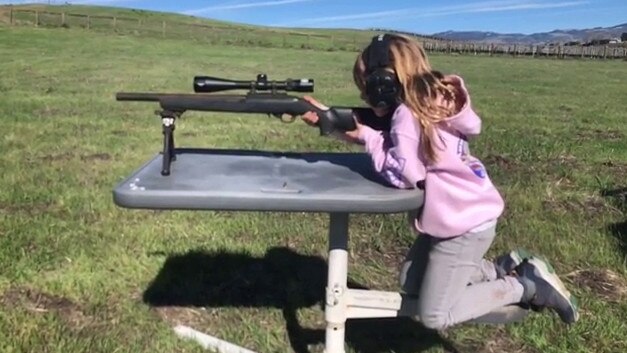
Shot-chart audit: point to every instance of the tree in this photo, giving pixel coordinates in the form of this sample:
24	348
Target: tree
623	37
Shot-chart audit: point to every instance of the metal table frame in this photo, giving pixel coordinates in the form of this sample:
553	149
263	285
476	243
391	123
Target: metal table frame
148	188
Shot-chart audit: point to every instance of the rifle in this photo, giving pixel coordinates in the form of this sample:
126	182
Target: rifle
274	103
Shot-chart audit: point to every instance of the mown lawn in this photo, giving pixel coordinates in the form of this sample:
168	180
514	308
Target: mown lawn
79	274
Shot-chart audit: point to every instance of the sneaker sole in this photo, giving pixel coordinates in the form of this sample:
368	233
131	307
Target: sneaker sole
547	273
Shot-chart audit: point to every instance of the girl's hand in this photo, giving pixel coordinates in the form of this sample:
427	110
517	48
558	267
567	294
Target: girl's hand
311	118
353	135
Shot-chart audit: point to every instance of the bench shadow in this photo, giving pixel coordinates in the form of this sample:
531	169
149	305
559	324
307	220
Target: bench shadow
619	229
281	279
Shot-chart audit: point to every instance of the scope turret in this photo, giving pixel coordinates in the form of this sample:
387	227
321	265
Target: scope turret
205	84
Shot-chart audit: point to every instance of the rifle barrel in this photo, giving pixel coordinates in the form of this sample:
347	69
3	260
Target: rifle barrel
139	97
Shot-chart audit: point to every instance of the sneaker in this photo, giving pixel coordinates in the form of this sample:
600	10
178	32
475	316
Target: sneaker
505	264
543	288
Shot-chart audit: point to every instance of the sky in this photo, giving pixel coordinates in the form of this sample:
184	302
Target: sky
423	17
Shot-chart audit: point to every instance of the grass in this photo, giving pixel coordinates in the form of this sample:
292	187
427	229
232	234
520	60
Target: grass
80	274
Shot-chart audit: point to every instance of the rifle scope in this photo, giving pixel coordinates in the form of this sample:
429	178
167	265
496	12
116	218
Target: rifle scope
204	84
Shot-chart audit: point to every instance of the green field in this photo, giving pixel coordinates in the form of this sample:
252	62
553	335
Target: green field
78	274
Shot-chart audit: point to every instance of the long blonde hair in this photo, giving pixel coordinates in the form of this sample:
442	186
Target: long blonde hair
421	87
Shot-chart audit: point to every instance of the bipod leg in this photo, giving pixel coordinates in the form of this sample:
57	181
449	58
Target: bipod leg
167	122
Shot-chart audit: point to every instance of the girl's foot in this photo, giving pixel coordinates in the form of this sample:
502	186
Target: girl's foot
543	288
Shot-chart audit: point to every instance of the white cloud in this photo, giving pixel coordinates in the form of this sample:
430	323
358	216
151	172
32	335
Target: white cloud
240	6
415	12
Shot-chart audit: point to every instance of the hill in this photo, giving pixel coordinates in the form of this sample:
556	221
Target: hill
171	25
163	25
556	36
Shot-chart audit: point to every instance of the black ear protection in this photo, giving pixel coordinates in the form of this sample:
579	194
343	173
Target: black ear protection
382	86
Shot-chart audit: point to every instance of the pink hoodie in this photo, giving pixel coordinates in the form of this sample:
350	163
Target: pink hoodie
459	195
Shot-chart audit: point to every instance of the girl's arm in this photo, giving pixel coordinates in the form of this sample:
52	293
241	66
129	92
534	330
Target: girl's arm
394	156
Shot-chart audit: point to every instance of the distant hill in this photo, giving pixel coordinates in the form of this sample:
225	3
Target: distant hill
556	36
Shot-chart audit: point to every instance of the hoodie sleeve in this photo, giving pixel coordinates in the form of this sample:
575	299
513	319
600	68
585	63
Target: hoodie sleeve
465	120
395	153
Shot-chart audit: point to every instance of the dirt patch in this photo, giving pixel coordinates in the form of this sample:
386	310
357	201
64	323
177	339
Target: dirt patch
605	284
96	157
618	197
65	156
501	161
564	160
614	168
556	167
48	111
189	316
189	134
565	108
31	209
590	206
499	342
39	302
598	134
35	209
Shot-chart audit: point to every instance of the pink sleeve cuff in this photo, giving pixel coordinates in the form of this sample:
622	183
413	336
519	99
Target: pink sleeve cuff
367	133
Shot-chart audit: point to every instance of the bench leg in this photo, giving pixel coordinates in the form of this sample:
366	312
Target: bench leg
335	306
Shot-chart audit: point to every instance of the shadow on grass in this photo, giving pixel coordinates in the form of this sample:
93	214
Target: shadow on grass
285	280
619	229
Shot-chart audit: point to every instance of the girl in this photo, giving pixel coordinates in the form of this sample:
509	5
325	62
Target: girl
432	121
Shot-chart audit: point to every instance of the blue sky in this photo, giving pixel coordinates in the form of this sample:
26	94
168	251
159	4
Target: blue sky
426	17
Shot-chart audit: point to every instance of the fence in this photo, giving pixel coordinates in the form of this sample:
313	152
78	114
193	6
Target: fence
556	51
232	35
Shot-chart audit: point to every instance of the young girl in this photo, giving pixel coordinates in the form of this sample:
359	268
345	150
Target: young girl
432	121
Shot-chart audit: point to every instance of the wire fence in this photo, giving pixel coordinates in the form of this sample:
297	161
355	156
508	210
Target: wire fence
262	37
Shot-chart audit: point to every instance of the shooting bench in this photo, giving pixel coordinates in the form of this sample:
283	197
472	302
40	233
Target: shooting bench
263	181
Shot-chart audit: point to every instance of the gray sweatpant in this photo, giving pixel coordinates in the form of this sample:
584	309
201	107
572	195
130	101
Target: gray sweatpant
455	284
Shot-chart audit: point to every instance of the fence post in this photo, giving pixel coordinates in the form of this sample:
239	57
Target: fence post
36	18
605	52
11	16
62	18
115	20
163	29
88	22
